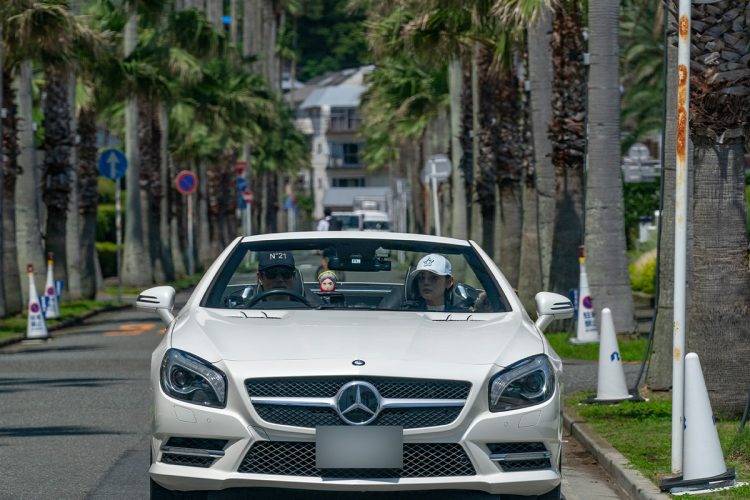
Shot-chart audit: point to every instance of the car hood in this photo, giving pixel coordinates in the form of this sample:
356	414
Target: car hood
215	335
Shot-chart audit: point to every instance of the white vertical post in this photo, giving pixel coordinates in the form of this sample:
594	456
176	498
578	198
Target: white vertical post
191	263
434	185
118	238
680	235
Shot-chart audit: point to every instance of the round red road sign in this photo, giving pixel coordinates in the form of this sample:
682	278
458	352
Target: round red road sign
186	182
248	196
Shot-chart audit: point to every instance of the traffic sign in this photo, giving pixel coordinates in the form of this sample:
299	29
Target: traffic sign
186	182
112	164
438	167
248	196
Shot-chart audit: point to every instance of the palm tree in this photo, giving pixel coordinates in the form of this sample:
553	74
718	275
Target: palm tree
14	300
605	245
540	101
720	106
567	133
2	160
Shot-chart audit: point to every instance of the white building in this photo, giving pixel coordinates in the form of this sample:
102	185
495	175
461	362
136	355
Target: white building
328	112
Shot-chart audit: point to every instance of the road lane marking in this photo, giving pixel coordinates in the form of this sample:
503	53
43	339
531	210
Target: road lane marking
131	329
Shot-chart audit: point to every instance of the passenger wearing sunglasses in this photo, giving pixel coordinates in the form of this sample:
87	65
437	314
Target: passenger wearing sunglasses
276	270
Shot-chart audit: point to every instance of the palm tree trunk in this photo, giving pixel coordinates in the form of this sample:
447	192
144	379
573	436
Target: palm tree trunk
164	193
73	229
467	142
177	229
540	75
458	180
606	255
14	300
660	366
718	316
2	175
203	233
475	224
89	200
147	160
28	220
487	131
57	153
568	144
133	272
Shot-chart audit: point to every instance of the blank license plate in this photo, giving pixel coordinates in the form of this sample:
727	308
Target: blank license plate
344	447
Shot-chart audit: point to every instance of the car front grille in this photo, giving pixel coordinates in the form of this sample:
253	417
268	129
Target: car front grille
327	387
298	459
189	461
452	392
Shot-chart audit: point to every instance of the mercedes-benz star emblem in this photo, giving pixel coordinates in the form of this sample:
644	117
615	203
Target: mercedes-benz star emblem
358	403
358	362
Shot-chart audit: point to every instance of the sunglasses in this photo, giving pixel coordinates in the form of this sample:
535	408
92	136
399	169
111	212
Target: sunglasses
275	273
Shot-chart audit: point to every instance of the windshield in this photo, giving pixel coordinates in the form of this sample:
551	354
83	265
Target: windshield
346	274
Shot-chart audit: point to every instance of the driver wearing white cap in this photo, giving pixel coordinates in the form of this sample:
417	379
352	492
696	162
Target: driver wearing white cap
434	280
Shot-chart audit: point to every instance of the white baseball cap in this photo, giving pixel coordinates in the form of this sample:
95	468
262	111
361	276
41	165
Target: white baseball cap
434	263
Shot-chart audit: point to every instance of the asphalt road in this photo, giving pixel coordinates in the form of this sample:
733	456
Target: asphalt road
75	418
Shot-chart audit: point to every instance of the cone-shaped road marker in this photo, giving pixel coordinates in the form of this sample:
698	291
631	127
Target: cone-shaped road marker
703	464
52	310
36	328
586	326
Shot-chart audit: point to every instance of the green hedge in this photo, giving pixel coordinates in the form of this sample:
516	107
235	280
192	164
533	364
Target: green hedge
107	258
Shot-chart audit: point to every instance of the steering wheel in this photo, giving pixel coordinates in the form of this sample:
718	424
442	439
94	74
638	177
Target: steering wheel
272	293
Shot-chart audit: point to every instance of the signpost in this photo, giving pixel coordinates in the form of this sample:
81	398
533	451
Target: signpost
113	164
436	170
186	183
247	198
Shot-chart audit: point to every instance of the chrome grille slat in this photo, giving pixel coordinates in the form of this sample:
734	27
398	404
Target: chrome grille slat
408	418
298	459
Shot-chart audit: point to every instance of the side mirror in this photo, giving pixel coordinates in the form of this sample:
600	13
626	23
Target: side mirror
551	306
159	299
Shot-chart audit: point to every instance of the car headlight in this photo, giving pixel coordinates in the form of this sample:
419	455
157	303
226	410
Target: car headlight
189	378
529	382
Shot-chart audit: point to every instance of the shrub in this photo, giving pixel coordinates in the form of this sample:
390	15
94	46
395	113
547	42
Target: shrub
107	252
643	273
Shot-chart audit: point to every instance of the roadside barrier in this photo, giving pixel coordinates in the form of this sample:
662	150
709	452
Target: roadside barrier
36	327
611	386
586	325
52	305
703	464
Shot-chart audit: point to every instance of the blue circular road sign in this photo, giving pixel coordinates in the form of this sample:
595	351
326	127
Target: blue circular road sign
112	164
186	182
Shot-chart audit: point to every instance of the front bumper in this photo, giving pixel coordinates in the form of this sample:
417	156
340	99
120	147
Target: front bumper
473	431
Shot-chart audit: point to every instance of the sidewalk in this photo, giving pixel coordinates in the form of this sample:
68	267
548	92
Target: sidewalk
581	375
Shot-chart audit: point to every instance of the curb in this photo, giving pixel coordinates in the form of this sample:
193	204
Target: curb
633	483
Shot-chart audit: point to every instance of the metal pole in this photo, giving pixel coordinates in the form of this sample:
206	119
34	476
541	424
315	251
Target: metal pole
436	208
191	263
118	238
249	219
680	236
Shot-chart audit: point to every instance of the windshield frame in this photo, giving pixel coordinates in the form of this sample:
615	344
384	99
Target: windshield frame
221	280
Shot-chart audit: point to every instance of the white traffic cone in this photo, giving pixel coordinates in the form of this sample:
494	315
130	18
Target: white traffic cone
52	310
586	326
611	386
703	464
701	456
36	328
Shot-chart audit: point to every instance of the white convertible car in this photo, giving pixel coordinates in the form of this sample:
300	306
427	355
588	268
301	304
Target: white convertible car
355	362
